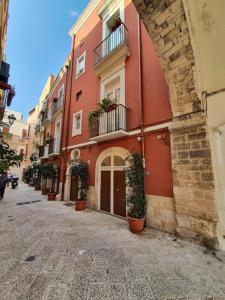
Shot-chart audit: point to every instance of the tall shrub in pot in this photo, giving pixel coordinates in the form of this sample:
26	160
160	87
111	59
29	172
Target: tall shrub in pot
80	170
136	200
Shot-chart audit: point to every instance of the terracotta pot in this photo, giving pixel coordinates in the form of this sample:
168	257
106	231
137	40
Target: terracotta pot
80	205
44	191
37	187
51	196
136	225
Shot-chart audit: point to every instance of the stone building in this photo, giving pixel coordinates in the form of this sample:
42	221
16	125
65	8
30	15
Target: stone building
169	81
6	90
187	39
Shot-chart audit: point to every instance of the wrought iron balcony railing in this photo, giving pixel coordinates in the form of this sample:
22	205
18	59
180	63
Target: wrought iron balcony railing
4	71
111	42
108	122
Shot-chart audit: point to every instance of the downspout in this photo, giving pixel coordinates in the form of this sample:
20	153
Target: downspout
68	119
141	100
67	66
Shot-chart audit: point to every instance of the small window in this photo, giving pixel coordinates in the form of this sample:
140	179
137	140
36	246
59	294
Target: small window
80	65
50	111
77	123
79	96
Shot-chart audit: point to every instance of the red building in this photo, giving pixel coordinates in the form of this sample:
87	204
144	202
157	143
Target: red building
112	57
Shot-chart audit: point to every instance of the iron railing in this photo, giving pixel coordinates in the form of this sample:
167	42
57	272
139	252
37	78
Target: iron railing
4	71
111	42
110	121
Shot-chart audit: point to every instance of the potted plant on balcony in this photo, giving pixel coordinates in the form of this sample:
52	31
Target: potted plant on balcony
80	170
107	105
136	200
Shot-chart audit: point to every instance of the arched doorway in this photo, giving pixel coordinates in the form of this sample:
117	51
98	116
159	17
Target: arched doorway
111	182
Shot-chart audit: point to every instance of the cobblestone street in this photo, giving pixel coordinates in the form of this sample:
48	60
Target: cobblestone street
49	251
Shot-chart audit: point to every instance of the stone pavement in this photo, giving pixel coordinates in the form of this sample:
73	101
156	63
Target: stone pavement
49	251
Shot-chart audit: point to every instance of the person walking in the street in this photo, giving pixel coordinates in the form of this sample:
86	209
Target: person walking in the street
3	181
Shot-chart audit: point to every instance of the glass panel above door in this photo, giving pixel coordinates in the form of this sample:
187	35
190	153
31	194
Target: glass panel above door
118	161
107	162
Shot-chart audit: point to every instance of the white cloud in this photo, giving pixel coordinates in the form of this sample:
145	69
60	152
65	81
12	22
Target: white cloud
74	13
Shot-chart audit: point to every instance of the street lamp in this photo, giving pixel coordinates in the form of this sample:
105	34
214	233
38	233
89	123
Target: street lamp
11	119
8	124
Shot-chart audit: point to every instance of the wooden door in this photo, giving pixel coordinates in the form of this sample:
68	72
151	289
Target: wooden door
105	190
74	188
119	193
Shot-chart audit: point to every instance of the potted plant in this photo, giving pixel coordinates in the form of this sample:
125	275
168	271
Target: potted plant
36	175
136	200
53	175
26	175
107	105
49	170
80	170
44	171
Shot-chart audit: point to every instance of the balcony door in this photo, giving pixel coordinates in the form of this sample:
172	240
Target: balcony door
57	137
110	121
113	185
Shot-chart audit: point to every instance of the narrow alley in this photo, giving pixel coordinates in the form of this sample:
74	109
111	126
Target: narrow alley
50	251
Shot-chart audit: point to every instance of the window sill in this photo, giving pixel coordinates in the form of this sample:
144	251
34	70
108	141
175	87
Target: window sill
78	75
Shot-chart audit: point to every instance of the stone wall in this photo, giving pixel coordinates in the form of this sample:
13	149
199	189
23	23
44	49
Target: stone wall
194	193
160	213
167	26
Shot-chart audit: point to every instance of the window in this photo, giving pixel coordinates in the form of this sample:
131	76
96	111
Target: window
60	97
50	111
80	65
77	123
79	96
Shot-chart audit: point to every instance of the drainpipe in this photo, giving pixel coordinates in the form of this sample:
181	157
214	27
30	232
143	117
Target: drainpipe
141	100
67	66
68	119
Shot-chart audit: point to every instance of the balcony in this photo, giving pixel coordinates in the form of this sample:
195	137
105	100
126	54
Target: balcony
4	71
45	118
109	125
54	148
39	129
111	49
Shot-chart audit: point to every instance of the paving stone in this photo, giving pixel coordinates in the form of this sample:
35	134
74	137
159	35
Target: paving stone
94	256
97	291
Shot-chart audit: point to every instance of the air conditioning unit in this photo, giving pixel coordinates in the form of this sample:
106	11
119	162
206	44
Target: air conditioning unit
4	71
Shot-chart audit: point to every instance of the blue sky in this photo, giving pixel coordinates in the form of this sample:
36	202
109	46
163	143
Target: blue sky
37	44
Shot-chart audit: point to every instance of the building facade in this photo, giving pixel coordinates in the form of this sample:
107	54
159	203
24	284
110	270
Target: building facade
6	90
113	58
140	56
